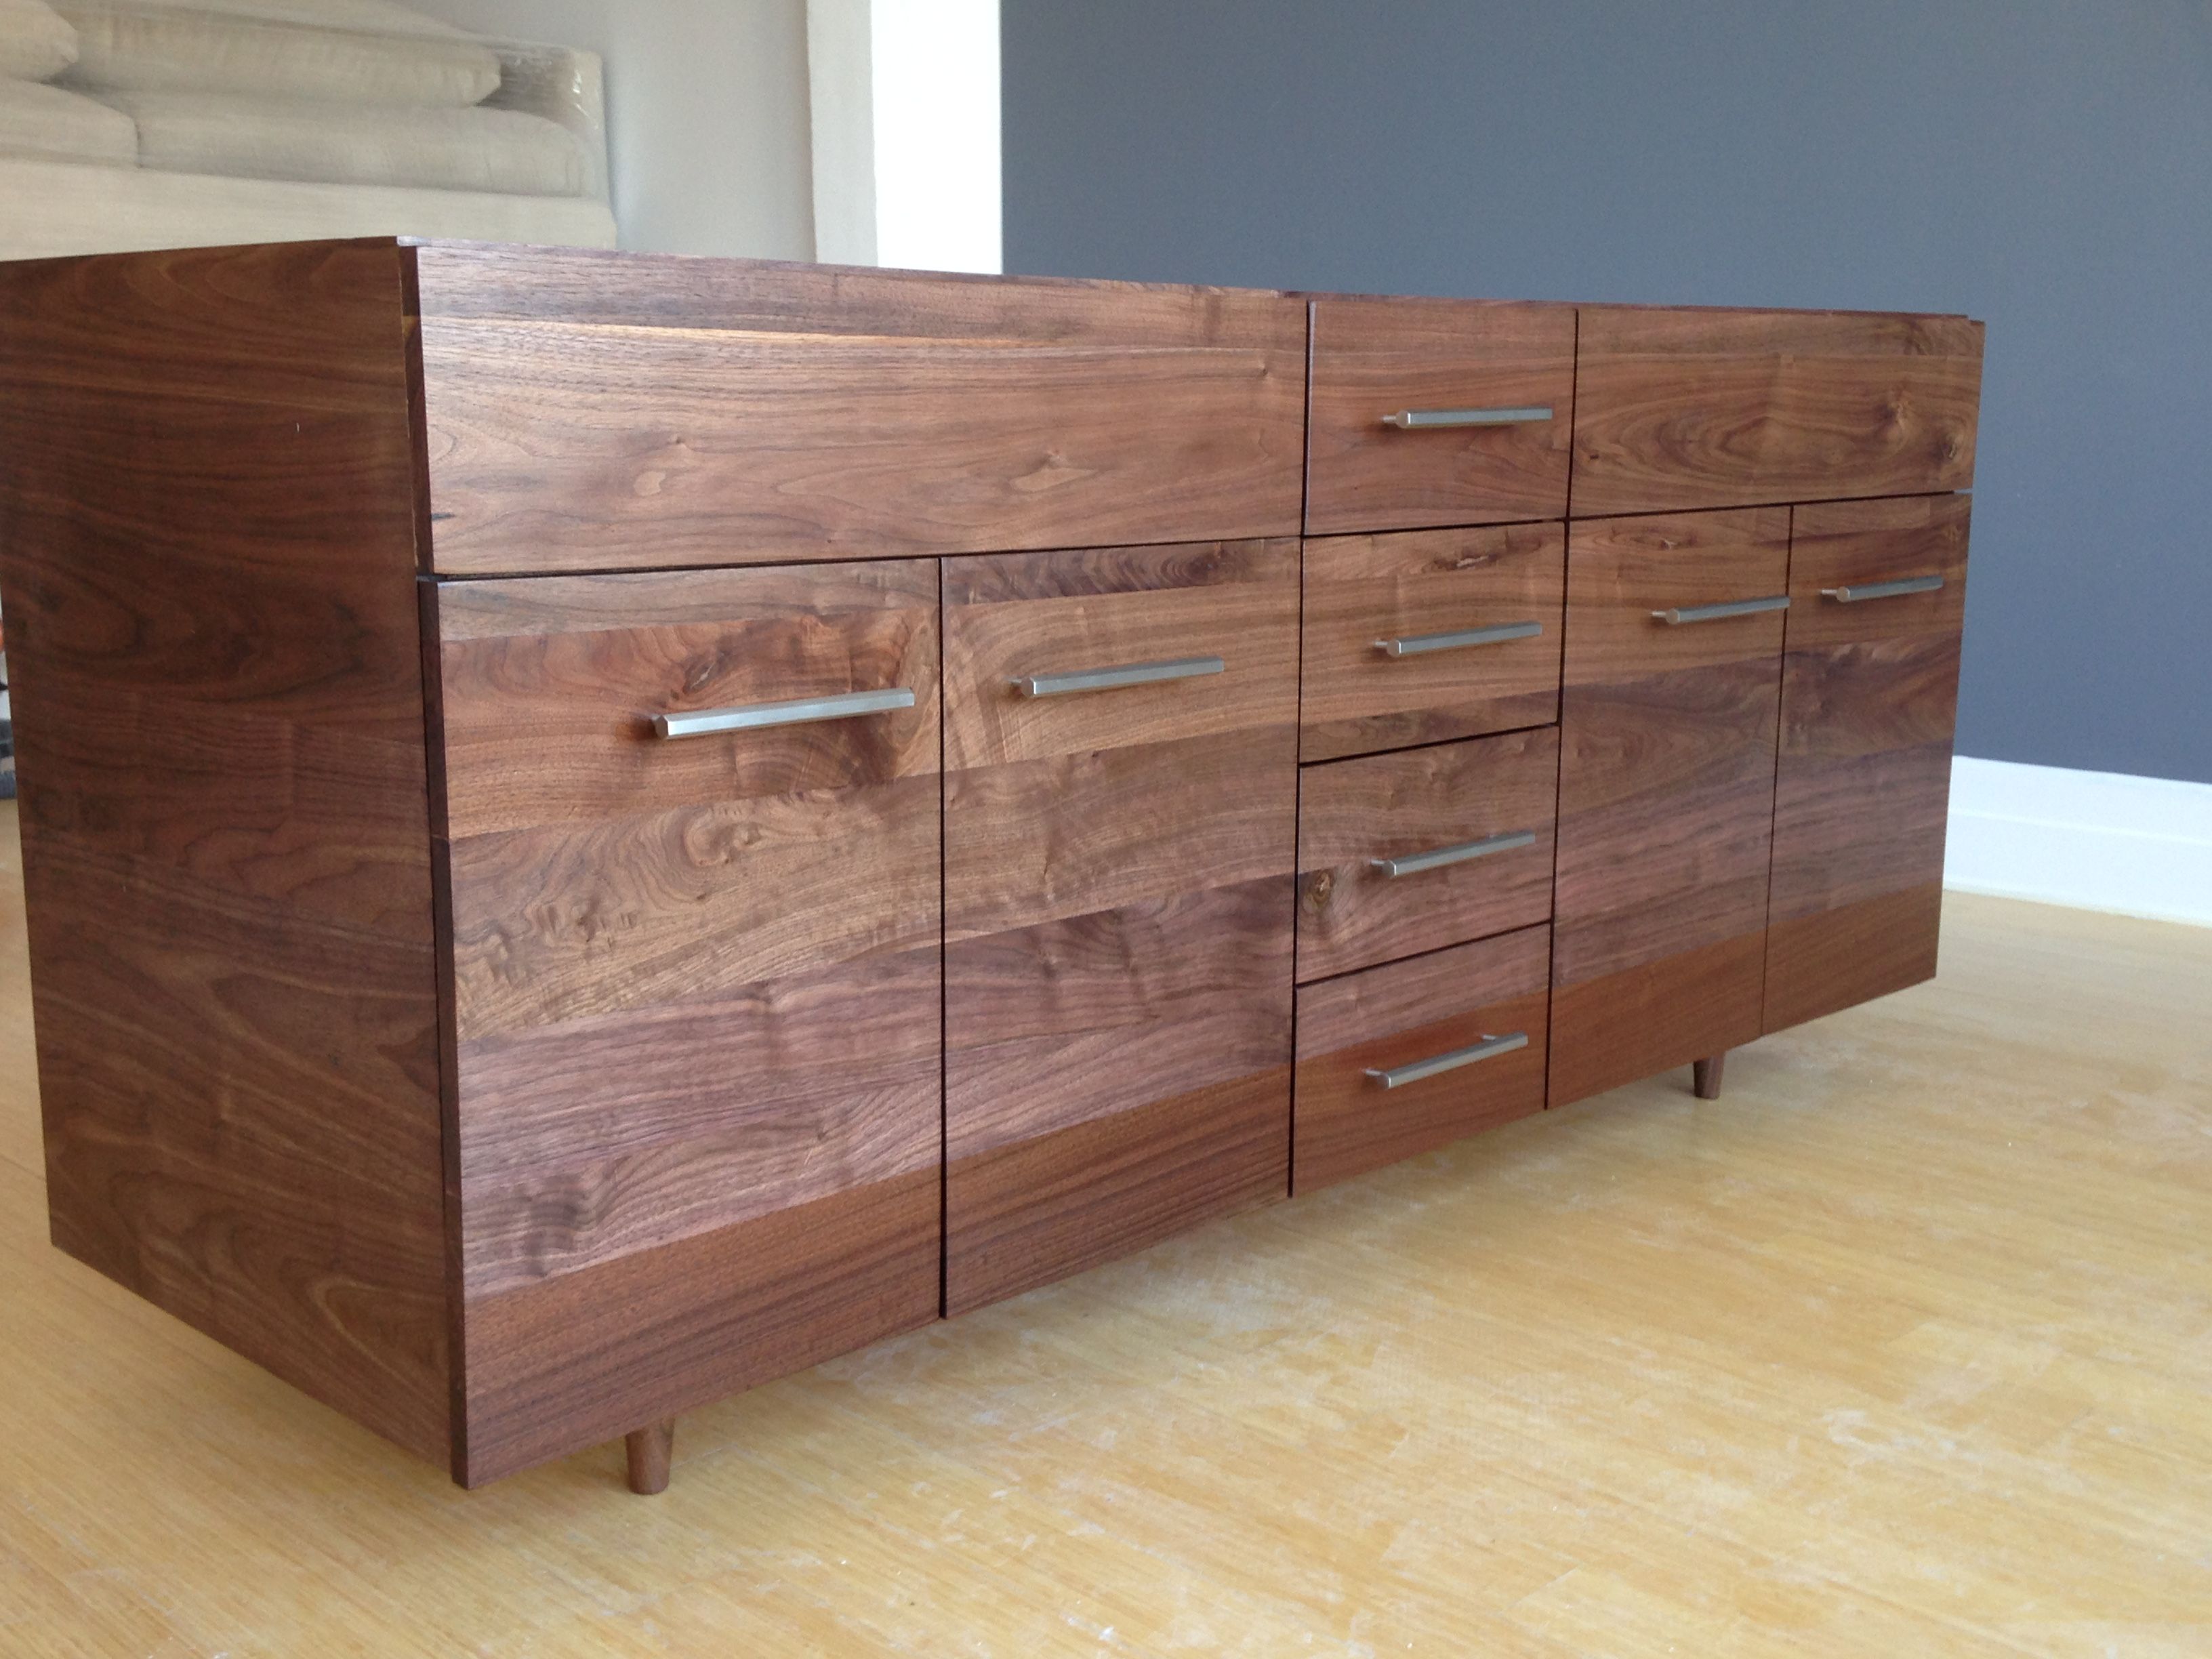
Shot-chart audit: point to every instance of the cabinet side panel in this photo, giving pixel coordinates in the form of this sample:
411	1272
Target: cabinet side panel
207	513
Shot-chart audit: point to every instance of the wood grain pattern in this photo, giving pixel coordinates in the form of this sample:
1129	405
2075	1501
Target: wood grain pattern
1352	915
604	1136
696	982
551	685
207	513
1666	787
1869	699
1354	698
1672	1010
588	1356
1691	408
1030	1212
1105	607
1105	1012
1118	899
1836	959
1346	1123
1372	357
707	413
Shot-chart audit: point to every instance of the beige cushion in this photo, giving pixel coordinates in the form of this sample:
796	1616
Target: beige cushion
63	126
358	51
36	42
484	149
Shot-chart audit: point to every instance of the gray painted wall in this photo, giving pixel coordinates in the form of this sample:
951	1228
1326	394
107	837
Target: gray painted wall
2046	167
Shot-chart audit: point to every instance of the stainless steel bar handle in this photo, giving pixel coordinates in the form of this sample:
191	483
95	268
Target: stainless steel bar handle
1416	419
1414	863
1108	679
1698	613
747	717
1415	645
1858	591
1399	1076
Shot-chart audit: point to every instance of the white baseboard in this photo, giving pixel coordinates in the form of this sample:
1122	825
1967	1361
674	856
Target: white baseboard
2097	840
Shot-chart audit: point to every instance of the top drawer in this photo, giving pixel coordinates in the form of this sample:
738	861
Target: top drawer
1430	413
1678	409
586	414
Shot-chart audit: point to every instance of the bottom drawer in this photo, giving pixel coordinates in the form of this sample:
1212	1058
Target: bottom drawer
1413	1055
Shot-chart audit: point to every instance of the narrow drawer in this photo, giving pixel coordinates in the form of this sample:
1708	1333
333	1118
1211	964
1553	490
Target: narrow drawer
1677	408
696	984
717	412
1428	634
1401	853
1412	1056
1428	412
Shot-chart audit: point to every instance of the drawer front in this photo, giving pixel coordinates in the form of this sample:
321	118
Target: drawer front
1428	412
720	412
1118	901
1401	853
1870	697
1370	1089
1677	408
1665	792
696	982
1428	634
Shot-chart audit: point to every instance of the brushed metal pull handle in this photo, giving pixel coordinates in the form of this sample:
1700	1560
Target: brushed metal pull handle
747	717
1859	591
1414	863
1399	1076
1414	645
1418	420
1109	679
1698	613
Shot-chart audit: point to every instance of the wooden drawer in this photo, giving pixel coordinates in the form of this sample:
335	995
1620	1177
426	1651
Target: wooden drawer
1388	1019
1486	389
696	983
1679	409
1666	792
1401	853
1428	634
1869	697
727	412
1119	901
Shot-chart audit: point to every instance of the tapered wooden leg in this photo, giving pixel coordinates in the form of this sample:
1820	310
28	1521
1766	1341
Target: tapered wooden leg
649	1448
1706	1075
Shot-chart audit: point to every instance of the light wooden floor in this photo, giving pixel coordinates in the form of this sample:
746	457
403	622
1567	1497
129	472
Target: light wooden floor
1903	1348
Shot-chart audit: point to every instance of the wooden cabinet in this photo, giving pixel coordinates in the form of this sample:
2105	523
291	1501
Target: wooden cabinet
599	829
1119	810
1679	408
1428	634
1869	686
1438	412
1667	737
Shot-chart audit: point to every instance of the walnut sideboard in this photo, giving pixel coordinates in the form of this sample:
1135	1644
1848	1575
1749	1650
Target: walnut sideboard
600	828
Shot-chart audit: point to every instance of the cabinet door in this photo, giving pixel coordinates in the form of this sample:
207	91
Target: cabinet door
1674	661
695	985
1696	407
1869	695
1121	748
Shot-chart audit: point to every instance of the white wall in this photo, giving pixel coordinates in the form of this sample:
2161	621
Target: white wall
707	112
905	108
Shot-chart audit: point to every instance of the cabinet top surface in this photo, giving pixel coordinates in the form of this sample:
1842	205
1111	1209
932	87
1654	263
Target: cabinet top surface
521	262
